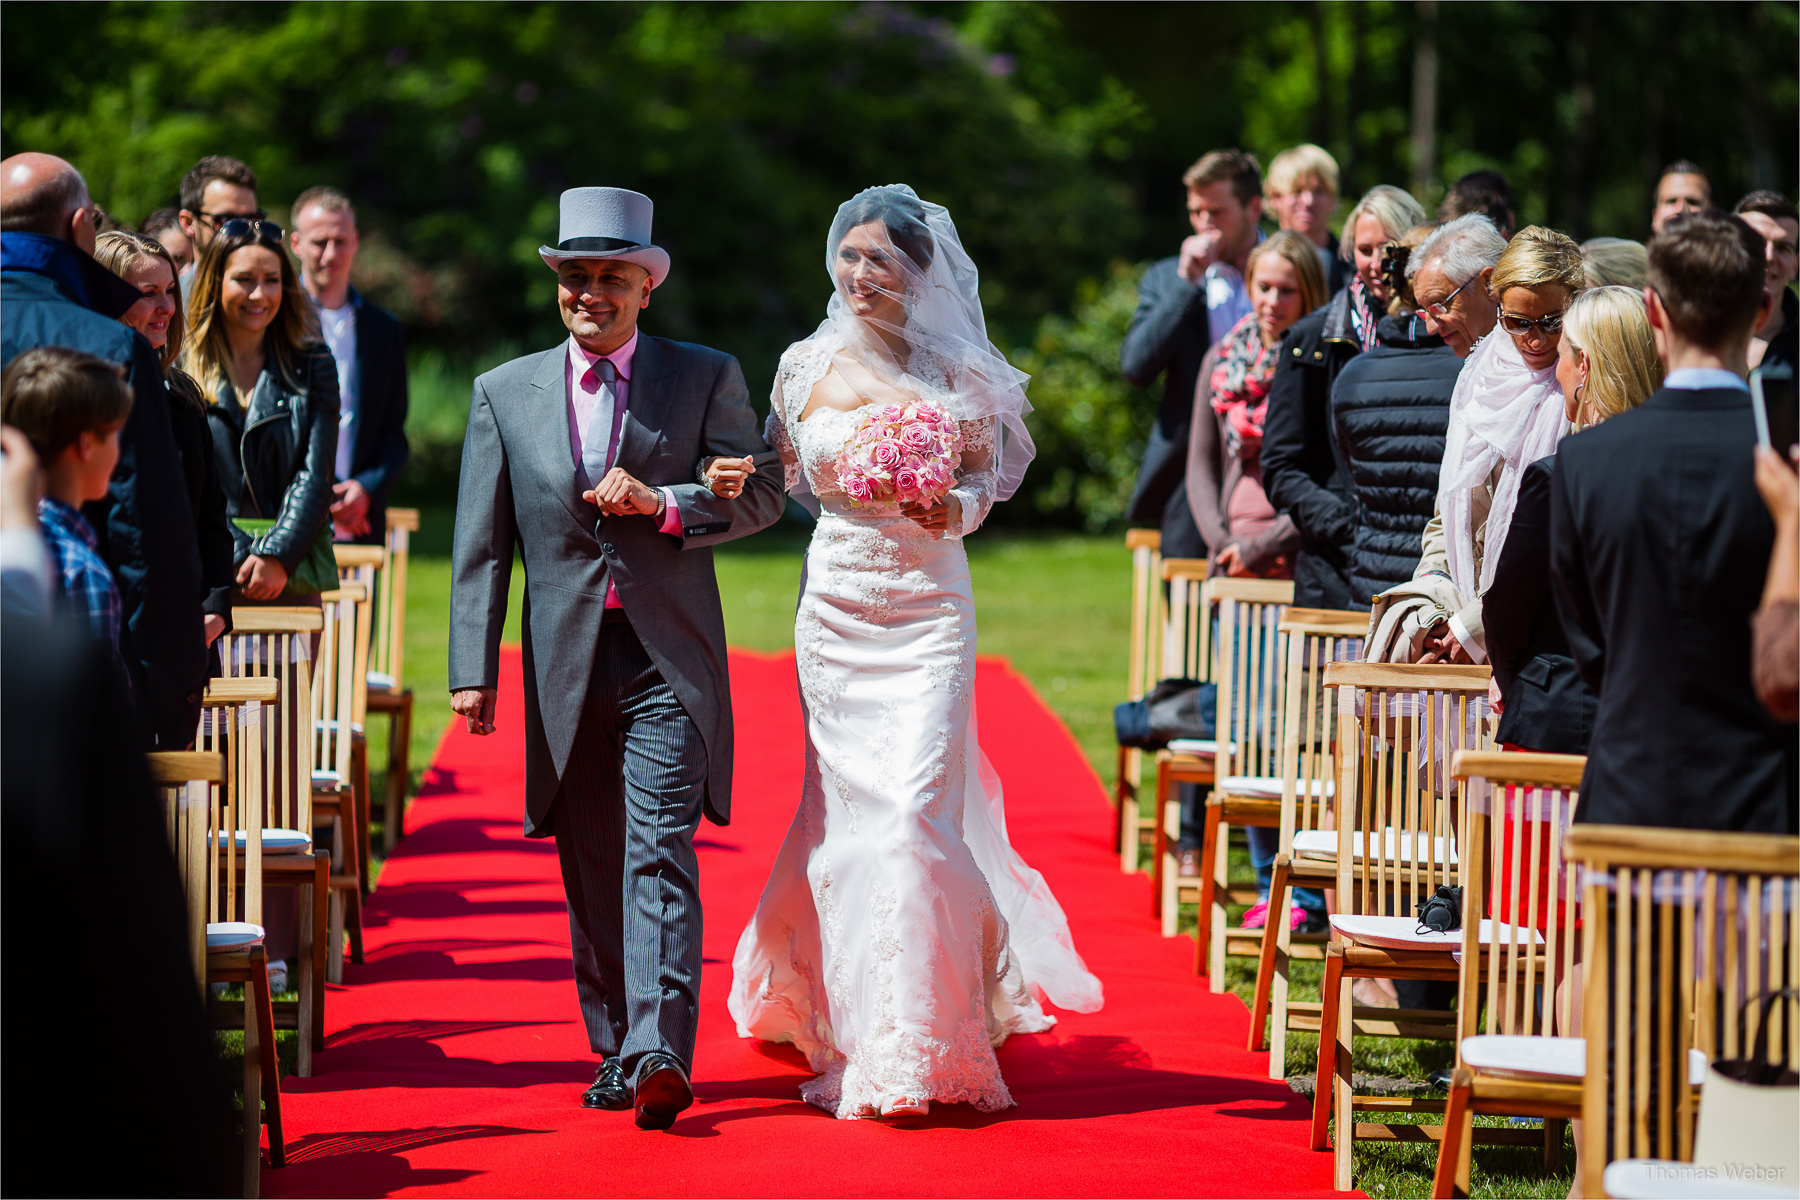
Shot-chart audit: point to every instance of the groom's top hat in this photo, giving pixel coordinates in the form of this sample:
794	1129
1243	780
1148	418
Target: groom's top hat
605	222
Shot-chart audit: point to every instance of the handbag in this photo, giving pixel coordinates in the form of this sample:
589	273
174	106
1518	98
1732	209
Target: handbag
316	573
1175	708
1749	1109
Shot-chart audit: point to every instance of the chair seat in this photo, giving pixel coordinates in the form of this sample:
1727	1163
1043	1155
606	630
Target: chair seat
1655	1179
1402	933
1269	787
1521	1057
327	779
1194	747
1323	843
381	682
225	937
275	841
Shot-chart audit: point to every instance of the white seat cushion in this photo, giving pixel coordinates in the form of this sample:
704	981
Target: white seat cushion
327	779
225	936
275	841
1655	1179
1526	1057
1198	747
1402	933
1323	843
380	682
1268	787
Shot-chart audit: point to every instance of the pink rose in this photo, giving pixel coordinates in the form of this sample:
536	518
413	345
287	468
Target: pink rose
891	412
918	438
859	488
906	482
886	454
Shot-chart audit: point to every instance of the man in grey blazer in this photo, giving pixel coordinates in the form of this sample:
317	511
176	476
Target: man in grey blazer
584	457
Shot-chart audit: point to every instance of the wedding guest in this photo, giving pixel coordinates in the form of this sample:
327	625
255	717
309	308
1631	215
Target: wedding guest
1774	217
1614	262
1485	192
1660	548
148	266
370	351
1389	411
1185	304
1505	414
1776	635
1606	365
165	226
1301	189
71	406
52	292
1245	536
25	587
1682	188
1302	472
272	399
215	190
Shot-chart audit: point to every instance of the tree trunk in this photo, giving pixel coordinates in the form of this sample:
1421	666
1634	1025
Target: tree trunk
1425	87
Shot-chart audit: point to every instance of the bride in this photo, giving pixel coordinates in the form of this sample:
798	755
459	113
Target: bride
900	937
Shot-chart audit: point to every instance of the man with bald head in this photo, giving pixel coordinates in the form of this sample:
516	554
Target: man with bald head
53	293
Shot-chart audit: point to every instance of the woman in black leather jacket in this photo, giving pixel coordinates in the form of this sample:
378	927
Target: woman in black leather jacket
272	398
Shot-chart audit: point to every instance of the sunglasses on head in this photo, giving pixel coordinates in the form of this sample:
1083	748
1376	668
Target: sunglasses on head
267	231
1519	326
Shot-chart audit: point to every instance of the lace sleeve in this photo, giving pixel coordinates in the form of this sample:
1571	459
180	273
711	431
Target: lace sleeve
775	432
976	483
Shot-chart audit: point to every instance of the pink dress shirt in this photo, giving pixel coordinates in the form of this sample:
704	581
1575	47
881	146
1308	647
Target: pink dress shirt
583	389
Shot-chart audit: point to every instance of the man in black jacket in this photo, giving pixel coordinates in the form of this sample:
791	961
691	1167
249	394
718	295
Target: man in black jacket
1390	409
52	293
1185	304
370	350
1659	546
1774	216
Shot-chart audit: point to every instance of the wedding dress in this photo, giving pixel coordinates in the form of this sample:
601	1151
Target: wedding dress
900	938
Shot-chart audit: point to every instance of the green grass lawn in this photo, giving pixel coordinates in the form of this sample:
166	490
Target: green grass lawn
1057	606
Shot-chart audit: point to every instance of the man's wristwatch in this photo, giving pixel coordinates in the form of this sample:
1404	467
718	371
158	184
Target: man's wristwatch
662	505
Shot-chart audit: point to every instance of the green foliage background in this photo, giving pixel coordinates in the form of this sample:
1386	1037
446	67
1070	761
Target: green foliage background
1055	133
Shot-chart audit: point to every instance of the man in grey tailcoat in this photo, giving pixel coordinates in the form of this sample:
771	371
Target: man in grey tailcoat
584	458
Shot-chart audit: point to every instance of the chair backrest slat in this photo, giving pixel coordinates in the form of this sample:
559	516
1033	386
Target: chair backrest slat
389	653
1309	721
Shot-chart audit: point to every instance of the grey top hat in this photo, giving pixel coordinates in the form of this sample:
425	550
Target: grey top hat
606	222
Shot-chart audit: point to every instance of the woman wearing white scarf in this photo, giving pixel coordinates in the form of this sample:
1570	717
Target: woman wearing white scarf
1506	413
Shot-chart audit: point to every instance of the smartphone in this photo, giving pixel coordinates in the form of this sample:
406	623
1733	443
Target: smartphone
1776	408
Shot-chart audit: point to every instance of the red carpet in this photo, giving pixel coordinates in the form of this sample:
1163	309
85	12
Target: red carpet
456	1056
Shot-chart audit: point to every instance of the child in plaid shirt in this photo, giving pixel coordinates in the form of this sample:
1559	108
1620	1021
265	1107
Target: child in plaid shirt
71	406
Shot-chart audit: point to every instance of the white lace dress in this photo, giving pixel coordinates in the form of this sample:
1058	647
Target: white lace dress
900	938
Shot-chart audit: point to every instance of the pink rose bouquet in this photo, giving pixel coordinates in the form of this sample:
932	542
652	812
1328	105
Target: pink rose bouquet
905	454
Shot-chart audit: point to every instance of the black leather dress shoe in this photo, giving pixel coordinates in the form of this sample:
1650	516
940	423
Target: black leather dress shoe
608	1089
662	1091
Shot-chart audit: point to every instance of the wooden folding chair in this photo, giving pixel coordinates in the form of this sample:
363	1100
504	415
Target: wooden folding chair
339	795
1315	637
359	569
1682	929
1252	663
388	693
1141	670
1187	648
1517	1055
225	949
1398	810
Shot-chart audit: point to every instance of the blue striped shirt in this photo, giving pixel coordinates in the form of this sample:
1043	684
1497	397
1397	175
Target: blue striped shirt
85	585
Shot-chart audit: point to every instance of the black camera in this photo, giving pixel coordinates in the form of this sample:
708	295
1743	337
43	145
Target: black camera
1394	257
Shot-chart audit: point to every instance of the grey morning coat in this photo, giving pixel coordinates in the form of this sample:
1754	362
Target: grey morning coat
519	488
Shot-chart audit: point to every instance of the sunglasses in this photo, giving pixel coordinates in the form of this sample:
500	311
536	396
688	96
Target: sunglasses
238	227
216	218
1441	309
1519	326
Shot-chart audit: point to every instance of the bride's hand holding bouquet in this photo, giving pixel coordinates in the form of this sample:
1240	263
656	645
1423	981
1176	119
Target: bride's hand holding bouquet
905	454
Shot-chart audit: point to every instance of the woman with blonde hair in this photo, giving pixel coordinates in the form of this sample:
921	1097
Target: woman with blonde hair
1606	365
1244	534
147	265
271	391
1610	261
1505	414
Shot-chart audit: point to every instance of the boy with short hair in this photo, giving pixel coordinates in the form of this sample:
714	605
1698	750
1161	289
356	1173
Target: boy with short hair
71	406
1659	547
